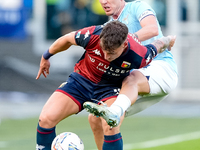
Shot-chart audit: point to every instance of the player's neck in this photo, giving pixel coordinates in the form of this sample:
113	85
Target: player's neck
119	11
125	50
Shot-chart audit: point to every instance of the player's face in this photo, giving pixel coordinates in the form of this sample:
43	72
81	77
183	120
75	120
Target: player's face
112	7
114	54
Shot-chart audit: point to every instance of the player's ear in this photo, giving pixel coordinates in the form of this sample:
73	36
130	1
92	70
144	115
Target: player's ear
125	43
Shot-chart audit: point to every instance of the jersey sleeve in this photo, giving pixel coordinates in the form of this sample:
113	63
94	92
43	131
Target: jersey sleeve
82	36
150	54
142	55
142	10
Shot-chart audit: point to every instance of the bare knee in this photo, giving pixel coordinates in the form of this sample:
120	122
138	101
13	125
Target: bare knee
46	121
95	122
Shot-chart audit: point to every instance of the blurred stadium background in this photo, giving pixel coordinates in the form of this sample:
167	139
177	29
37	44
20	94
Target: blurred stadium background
28	28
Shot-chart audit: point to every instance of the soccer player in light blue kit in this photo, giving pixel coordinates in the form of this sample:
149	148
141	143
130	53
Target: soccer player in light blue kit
152	83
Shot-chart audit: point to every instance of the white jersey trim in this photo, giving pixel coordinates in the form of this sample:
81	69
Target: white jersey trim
145	14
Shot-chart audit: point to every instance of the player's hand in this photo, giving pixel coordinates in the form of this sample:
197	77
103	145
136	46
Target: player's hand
44	68
172	41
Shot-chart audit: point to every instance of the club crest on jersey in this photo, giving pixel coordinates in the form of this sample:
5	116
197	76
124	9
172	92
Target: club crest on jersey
125	20
125	64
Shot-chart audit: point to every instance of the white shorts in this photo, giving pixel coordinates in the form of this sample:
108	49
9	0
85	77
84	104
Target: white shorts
162	80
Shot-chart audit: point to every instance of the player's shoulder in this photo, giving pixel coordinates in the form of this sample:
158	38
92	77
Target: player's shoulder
133	40
98	29
136	46
84	36
137	6
90	30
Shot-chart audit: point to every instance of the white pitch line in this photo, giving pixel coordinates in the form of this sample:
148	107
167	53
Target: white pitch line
163	141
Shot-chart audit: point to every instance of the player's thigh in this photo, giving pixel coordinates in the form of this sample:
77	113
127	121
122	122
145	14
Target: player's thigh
58	107
140	80
161	77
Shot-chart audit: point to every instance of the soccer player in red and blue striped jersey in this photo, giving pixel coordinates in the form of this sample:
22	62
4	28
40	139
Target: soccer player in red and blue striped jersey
110	54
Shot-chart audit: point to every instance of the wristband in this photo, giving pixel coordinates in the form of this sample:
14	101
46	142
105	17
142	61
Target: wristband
47	55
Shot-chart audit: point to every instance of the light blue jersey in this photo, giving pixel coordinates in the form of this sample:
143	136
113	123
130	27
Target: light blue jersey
132	14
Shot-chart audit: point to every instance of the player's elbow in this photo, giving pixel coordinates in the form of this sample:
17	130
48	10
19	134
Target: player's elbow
154	31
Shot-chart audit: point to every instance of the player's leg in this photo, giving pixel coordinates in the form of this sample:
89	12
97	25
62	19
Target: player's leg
58	107
112	136
162	78
106	138
97	130
135	83
96	124
144	102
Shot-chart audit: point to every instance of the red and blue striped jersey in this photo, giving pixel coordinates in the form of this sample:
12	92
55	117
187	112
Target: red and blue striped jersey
94	67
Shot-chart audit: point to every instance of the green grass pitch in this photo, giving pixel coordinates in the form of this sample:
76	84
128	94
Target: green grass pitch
20	134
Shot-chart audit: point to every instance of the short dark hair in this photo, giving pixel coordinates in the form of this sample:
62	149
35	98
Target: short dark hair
113	35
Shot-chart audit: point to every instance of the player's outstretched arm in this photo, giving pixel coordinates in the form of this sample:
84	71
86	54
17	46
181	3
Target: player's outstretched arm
61	44
164	43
